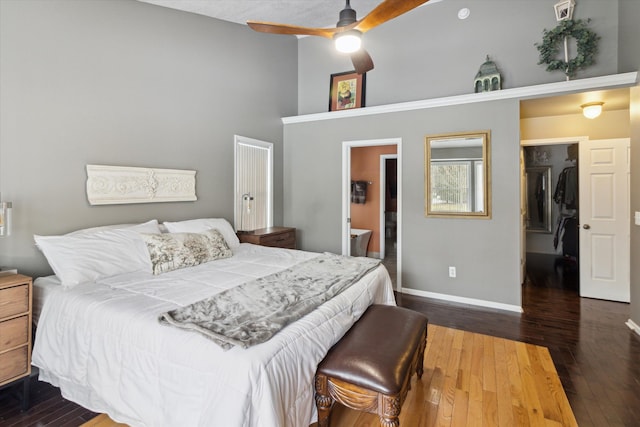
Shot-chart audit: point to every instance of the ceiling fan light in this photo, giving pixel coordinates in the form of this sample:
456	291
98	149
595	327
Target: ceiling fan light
592	110
348	42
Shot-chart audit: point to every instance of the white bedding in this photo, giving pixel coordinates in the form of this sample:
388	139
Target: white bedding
102	344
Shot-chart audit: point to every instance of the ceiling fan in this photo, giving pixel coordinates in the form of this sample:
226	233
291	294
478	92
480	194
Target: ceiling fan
348	31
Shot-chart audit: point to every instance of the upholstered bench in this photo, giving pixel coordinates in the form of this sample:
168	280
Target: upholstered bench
370	368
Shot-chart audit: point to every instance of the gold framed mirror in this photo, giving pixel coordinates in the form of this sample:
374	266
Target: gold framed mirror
457	175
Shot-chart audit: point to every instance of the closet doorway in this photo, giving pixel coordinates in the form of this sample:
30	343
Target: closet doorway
551	210
602	212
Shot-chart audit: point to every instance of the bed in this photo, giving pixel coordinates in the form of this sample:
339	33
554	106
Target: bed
100	340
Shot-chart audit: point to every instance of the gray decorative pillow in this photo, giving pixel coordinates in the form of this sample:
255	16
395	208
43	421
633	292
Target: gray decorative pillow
171	251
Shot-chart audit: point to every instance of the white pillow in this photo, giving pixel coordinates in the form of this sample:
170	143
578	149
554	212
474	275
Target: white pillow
84	258
204	224
151	227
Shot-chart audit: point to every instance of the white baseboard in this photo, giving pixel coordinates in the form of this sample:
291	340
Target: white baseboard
633	326
463	300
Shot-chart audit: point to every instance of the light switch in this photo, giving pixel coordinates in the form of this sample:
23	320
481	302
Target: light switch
637	218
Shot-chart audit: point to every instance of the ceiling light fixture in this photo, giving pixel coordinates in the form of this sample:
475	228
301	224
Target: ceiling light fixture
348	41
464	13
591	110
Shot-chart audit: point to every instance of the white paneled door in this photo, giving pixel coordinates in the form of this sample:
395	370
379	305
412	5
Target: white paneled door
604	219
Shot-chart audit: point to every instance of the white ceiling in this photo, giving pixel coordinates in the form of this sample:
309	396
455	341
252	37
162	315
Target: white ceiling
307	13
324	13
614	99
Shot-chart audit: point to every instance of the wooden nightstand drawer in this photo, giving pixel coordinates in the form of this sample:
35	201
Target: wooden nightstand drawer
15	329
14	364
14	332
279	237
14	300
281	240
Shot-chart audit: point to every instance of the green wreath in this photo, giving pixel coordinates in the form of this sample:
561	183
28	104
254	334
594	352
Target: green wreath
586	40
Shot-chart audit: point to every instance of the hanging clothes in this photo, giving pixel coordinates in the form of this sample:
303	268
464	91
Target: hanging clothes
567	232
539	195
566	192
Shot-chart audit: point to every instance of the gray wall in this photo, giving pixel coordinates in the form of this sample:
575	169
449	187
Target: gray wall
313	153
630	61
430	53
126	83
628	36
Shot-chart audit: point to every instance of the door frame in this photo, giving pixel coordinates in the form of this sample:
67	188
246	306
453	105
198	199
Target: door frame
346	197
383	200
237	202
545	141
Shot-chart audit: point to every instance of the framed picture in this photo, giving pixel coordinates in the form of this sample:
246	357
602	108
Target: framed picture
347	90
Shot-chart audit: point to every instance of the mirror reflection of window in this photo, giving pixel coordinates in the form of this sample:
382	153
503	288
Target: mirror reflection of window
457	186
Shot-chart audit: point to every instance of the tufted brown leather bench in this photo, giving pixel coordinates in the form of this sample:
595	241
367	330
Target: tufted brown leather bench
370	368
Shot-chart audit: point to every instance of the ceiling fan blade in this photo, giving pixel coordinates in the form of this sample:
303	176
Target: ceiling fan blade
362	61
386	11
273	28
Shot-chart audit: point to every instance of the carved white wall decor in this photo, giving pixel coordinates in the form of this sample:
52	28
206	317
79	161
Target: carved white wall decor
110	185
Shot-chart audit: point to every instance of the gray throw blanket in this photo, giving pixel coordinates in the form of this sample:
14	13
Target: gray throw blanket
253	312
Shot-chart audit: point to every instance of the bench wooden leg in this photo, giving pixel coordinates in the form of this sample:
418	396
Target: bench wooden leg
390	410
324	401
420	364
389	422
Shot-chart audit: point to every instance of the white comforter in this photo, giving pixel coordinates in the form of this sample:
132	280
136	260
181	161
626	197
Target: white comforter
102	344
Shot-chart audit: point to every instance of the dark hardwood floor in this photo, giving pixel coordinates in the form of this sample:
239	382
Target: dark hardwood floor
597	357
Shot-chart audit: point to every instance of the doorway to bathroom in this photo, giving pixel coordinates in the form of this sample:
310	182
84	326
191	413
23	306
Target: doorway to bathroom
372	202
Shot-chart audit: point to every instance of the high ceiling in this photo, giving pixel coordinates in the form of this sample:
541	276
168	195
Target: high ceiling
324	13
308	13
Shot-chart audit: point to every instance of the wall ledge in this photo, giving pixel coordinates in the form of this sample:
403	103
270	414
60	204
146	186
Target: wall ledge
463	300
633	326
603	82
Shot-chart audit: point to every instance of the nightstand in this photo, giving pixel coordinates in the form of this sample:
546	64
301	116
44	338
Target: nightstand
279	237
15	332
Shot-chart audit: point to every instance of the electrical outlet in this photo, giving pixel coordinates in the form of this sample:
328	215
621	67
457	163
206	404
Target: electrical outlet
452	272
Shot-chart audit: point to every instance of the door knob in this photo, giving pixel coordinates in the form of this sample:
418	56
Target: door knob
586	226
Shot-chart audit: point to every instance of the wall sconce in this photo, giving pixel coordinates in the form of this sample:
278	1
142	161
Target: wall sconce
591	110
246	201
5	218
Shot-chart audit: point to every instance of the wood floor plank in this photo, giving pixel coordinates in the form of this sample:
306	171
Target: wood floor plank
550	407
475	387
102	420
464	369
489	408
518	409
460	408
503	389
445	410
489	365
530	393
